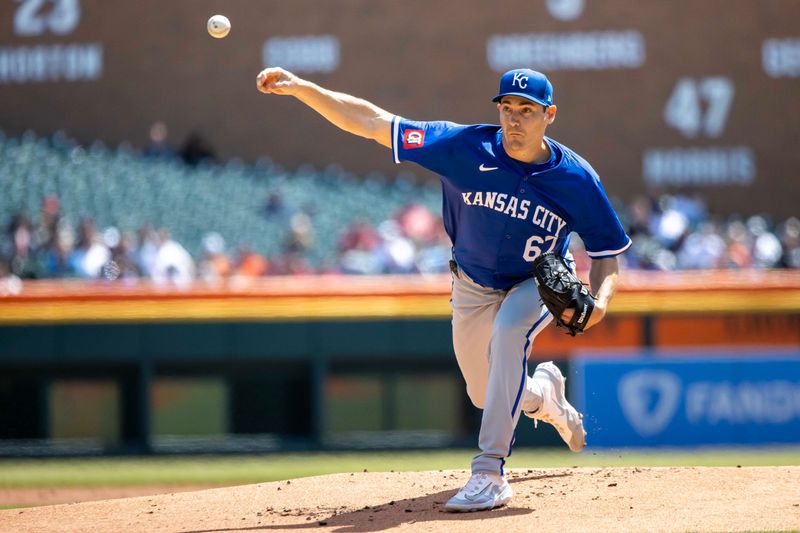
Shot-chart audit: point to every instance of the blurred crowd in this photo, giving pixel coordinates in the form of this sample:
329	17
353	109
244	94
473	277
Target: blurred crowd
676	232
50	246
668	232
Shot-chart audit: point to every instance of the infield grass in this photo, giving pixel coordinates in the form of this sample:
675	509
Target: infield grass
226	469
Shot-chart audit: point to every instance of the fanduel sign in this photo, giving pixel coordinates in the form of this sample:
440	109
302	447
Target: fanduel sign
750	399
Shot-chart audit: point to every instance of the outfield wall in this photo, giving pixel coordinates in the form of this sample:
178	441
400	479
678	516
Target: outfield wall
324	362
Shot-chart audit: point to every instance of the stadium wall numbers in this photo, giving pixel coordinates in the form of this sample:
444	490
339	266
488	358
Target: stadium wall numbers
659	96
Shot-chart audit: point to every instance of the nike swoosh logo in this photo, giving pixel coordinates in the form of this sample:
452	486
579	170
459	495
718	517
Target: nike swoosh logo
483	168
473	497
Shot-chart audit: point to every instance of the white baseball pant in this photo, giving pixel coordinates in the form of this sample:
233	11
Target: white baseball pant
493	332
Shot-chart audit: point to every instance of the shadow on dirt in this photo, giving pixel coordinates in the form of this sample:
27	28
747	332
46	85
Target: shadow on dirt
392	514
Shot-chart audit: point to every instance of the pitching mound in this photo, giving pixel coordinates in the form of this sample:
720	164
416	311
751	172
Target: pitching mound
558	500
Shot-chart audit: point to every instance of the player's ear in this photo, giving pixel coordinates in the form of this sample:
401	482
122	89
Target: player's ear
550	111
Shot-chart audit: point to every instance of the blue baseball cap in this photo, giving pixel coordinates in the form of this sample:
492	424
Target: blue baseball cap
528	84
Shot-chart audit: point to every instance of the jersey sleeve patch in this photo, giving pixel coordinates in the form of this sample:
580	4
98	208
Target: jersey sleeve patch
413	139
428	144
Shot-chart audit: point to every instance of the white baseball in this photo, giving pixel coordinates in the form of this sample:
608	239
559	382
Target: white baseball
218	26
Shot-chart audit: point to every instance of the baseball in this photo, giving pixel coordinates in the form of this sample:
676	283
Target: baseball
218	26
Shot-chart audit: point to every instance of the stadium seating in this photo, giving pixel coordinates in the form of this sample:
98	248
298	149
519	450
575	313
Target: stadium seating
119	187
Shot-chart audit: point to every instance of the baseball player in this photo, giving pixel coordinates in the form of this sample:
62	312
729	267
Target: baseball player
511	196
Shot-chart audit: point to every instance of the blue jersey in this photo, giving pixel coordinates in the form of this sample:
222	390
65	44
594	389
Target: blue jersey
501	213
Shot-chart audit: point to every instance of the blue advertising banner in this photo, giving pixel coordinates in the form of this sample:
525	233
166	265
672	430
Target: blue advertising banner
661	400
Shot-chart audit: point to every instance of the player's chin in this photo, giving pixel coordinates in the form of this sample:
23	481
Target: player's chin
515	141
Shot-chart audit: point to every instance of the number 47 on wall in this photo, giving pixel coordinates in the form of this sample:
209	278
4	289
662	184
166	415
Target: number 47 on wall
699	106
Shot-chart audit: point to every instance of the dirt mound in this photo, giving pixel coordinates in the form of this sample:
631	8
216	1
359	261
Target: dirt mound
558	500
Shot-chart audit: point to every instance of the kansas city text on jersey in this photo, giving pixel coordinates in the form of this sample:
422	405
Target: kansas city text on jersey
514	207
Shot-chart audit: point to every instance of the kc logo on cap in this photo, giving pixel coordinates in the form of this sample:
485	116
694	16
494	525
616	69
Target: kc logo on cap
520	80
528	84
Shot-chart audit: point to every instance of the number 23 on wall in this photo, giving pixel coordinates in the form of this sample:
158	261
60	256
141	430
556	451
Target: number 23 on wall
36	17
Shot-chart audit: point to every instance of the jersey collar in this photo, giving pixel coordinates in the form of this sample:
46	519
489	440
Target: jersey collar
529	169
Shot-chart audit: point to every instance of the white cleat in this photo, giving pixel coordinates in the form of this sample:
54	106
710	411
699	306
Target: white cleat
483	491
555	409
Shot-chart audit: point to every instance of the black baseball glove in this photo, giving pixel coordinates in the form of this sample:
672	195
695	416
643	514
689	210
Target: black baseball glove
560	290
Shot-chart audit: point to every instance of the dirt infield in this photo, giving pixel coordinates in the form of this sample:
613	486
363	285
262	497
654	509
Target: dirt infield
39	496
558	500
